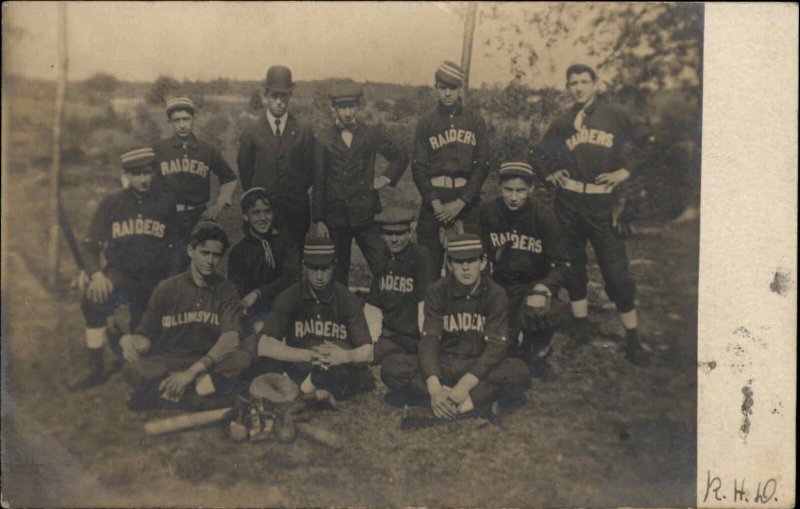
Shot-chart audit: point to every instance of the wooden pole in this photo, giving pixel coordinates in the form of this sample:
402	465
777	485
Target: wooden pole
53	254
466	49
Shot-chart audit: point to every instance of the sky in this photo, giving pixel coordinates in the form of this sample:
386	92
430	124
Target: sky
383	42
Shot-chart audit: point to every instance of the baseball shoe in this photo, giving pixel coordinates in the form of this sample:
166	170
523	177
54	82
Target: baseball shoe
95	372
582	334
634	351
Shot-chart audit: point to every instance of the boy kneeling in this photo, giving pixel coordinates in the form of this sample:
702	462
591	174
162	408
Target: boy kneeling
185	350
462	364
327	342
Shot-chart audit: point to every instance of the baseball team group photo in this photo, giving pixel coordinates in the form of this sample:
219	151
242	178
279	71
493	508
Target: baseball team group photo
403	254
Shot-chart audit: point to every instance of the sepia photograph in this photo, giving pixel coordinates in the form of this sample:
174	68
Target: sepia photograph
372	254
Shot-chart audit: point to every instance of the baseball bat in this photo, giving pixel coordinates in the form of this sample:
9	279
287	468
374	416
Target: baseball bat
320	435
63	222
184	422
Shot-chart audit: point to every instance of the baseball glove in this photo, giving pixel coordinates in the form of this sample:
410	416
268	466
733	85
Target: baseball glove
269	412
536	319
622	216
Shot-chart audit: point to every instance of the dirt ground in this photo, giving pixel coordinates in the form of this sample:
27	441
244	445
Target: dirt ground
600	432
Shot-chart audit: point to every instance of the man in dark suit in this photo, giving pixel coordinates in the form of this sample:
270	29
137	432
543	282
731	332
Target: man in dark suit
276	152
345	195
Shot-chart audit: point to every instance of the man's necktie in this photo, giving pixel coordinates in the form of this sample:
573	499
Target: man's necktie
277	127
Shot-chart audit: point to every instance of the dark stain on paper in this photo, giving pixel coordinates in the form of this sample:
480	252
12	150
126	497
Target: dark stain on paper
747	409
781	283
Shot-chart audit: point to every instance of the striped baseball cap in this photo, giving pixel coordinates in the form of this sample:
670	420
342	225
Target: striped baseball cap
516	169
318	251
450	74
465	246
179	103
137	157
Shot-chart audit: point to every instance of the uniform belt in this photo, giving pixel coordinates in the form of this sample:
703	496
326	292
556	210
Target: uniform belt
577	186
183	207
448	182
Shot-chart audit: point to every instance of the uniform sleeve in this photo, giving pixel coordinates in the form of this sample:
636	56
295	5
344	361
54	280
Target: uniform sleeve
220	167
430	343
483	230
96	237
426	273
237	274
630	153
555	248
320	181
290	272
357	328
545	158
394	154
278	321
421	164
230	311
150	323
177	244
246	159
480	165
496	335
307	157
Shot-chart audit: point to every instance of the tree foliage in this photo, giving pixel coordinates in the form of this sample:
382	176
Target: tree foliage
646	45
163	88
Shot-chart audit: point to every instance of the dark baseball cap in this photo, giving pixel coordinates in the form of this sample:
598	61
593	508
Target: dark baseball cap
345	93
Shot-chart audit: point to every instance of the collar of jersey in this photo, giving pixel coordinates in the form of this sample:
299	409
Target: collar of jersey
267	236
590	109
210	283
458	290
456	109
190	141
316	295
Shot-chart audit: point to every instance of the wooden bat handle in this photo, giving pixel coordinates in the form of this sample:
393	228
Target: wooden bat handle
182	422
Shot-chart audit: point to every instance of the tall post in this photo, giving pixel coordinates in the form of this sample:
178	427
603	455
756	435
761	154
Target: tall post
53	254
466	49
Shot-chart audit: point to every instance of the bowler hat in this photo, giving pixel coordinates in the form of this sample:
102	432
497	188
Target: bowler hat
279	79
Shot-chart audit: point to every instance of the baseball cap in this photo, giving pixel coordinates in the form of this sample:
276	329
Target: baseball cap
179	103
345	93
450	73
516	169
137	157
395	220
465	246
252	195
318	251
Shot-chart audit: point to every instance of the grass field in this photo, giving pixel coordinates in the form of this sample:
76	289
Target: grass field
600	432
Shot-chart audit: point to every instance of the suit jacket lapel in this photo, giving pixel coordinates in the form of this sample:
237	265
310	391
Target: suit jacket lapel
266	131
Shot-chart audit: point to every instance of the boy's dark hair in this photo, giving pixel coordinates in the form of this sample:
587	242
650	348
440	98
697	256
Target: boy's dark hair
249	200
580	69
208	230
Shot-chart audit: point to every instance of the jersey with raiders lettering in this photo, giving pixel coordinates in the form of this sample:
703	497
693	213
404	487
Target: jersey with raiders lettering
466	322
604	143
185	166
183	318
399	284
306	317
451	142
135	233
525	245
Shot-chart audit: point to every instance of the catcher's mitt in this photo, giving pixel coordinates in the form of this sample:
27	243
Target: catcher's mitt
269	412
536	319
622	215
